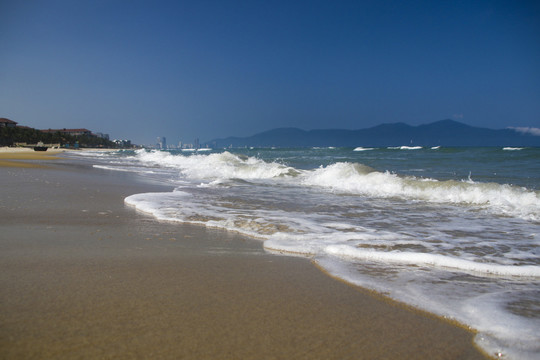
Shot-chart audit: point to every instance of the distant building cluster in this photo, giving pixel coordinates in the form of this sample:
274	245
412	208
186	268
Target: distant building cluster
123	143
161	144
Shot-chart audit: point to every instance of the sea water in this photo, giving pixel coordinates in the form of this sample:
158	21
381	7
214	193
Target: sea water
454	231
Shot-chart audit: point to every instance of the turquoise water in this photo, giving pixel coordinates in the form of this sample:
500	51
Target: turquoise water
454	231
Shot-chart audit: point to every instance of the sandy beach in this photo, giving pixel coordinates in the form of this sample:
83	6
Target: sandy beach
85	276
11	157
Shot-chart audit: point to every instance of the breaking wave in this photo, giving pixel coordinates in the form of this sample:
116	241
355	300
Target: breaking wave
363	180
217	166
354	178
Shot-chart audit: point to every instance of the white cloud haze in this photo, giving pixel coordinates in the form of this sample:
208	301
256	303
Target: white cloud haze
527	130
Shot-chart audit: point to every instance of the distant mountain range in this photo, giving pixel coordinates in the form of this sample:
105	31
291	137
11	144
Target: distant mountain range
439	133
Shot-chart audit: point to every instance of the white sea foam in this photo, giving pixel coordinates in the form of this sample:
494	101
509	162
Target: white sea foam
493	323
351	178
217	166
123	169
93	153
435	260
512	148
405	147
314	234
362	149
360	179
500	333
354	178
440	245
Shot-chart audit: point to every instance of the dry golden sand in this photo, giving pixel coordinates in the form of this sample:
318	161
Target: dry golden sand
11	157
83	276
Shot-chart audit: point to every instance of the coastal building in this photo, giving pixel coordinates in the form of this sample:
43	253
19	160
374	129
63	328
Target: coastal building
123	143
102	135
7	123
161	143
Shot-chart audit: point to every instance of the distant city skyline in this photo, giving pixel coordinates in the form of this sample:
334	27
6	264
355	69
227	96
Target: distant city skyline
213	69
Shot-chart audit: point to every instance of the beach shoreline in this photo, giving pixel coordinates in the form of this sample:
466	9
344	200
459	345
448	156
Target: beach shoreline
84	275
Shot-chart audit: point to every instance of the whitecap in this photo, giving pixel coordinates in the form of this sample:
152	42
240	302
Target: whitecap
359	179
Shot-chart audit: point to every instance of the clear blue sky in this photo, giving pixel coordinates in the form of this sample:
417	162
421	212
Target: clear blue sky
208	69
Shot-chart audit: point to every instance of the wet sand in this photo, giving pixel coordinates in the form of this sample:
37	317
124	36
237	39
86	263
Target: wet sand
84	276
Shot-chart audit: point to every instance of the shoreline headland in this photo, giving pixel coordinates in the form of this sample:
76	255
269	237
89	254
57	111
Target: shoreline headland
85	276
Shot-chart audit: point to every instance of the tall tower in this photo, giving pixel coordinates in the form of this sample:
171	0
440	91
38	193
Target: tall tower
161	143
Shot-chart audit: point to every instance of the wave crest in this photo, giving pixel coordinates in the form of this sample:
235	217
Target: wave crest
354	178
360	179
218	166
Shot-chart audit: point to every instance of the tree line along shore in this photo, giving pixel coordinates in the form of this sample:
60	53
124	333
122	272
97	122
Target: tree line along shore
13	135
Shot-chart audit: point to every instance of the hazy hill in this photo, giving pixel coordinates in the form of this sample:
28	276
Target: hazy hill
443	133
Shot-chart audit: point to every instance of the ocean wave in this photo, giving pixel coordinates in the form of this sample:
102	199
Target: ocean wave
432	243
360	179
217	166
354	178
405	147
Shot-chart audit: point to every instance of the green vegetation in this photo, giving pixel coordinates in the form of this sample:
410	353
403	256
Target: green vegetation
11	135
